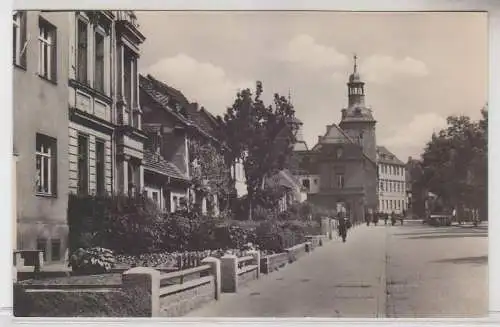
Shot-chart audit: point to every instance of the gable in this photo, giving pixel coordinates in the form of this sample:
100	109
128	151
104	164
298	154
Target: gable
334	135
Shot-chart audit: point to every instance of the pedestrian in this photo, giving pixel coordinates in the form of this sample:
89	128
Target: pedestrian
393	218
375	218
386	217
342	227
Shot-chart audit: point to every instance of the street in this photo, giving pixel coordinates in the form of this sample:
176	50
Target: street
381	271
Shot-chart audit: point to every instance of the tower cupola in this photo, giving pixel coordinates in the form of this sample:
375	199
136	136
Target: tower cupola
356	87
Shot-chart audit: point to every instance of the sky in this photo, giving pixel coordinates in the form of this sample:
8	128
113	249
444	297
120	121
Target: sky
418	68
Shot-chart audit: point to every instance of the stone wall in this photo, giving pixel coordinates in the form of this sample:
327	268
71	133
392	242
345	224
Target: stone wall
181	302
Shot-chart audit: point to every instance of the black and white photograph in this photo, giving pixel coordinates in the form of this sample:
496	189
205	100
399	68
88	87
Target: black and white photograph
272	164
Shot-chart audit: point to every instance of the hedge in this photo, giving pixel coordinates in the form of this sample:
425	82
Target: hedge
134	226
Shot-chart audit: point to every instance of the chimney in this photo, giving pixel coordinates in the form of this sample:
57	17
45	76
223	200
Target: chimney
344	113
196	106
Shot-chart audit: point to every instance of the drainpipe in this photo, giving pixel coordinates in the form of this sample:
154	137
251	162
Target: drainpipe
112	88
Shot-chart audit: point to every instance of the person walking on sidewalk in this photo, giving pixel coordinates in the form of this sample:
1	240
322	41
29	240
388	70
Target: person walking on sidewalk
342	227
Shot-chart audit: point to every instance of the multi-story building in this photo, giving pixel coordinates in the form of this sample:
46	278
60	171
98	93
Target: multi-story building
40	110
392	187
177	126
106	144
340	170
78	129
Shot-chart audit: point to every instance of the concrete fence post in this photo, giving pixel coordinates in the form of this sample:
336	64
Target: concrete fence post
229	273
256	257
216	272
264	265
147	280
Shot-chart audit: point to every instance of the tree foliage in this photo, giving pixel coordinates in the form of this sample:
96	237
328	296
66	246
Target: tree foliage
209	169
261	136
454	162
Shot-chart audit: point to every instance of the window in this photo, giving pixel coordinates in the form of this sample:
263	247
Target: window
82	52
131	179
306	184
340	180
83	164
130	86
156	197
127	78
174	204
339	153
99	62
19	38
100	167
46	160
55	247
315	182
47	66
382	185
41	245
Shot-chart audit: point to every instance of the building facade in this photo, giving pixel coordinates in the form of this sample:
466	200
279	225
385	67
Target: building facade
106	144
40	112
176	127
77	117
392	189
340	170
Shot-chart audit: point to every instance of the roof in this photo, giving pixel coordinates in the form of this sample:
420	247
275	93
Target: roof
300	146
386	156
188	113
337	135
284	178
156	163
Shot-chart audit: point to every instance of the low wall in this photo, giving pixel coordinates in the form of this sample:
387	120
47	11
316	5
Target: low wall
273	262
74	302
143	292
316	240
297	251
236	272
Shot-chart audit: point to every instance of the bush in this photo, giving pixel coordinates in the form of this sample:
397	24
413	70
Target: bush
92	261
269	237
120	223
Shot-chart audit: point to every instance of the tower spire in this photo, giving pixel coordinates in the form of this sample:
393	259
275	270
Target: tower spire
289	96
355	63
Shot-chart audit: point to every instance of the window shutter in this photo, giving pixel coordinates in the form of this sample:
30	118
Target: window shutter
54	56
54	166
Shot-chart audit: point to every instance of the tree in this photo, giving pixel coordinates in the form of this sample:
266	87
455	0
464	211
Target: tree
209	170
454	162
261	136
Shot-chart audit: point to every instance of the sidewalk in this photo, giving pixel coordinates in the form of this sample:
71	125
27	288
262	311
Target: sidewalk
336	280
482	225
